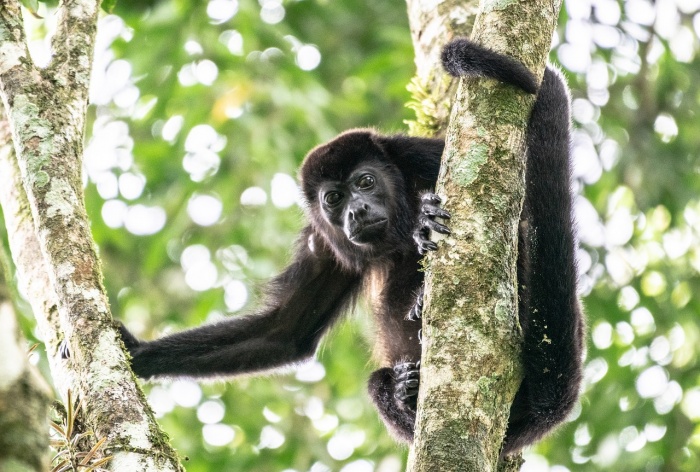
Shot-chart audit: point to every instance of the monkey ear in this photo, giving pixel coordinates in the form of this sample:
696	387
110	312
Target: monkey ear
394	148
384	143
416	158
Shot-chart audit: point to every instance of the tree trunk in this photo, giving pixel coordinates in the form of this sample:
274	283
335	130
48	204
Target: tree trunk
432	26
24	395
470	369
44	209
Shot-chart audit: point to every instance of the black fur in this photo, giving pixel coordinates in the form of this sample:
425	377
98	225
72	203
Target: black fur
369	233
462	57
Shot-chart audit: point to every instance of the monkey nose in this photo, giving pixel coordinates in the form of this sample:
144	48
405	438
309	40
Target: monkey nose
358	212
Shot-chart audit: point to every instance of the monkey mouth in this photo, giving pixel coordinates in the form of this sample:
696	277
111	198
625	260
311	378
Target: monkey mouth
368	232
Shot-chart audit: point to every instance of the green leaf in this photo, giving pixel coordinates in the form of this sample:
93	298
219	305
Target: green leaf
32	6
108	5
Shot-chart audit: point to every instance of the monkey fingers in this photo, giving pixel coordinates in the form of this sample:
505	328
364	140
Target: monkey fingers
429	223
430	206
429	210
407	377
422	238
416	311
128	339
64	350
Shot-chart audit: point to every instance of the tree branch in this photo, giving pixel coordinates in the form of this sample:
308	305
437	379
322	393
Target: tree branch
72	46
16	68
24	395
46	111
33	277
431	28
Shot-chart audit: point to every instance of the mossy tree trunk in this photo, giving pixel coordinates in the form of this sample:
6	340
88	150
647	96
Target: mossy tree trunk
24	394
43	203
471	338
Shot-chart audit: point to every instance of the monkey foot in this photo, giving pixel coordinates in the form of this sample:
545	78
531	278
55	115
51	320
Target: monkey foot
416	311
407	377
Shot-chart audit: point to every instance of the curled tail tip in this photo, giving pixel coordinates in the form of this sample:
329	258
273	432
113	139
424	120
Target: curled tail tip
455	56
526	81
463	57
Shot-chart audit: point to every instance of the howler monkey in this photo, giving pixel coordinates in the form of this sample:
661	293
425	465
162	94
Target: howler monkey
370	207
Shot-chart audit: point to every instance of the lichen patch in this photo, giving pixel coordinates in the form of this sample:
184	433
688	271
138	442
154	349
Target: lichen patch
60	199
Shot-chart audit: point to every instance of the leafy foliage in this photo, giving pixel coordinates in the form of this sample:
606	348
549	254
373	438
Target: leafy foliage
69	456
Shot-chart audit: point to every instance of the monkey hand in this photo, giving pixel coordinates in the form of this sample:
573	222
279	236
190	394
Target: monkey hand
129	340
429	210
407	377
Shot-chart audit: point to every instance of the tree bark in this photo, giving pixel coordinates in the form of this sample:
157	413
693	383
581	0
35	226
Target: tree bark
471	339
432	25
24	394
44	208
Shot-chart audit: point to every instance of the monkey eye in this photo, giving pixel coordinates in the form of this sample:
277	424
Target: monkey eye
366	181
332	198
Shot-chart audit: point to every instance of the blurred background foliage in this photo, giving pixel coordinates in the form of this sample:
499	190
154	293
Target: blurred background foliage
201	113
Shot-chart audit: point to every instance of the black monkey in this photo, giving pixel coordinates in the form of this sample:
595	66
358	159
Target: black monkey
371	210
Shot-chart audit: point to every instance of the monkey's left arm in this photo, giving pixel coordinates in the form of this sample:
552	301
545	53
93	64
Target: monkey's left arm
303	302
